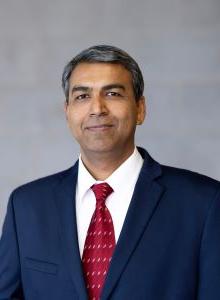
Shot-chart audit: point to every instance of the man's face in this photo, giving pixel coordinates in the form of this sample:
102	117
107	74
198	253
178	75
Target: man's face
102	112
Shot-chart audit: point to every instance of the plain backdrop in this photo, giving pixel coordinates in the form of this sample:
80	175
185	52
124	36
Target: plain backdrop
177	45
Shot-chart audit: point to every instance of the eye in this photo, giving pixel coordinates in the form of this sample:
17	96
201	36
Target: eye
113	94
81	97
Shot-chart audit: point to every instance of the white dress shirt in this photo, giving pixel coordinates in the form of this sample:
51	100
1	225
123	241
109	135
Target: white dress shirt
122	181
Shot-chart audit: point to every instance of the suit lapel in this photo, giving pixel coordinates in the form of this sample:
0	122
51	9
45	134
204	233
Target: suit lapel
65	202
143	204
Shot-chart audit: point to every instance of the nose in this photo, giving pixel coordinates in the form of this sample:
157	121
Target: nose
98	106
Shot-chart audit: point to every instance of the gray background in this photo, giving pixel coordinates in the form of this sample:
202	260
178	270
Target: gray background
176	43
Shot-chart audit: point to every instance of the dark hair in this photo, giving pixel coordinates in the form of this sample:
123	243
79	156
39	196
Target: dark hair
105	54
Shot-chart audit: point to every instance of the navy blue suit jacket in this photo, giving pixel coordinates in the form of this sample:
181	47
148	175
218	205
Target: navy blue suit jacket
168	249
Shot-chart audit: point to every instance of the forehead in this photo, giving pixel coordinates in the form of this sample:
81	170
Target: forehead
102	73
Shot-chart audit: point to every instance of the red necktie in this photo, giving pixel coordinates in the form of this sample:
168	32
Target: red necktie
99	244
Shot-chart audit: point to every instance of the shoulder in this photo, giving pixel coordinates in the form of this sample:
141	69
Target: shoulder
189	185
178	179
42	186
186	177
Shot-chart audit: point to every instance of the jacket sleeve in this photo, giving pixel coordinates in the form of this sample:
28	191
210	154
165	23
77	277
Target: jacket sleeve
10	276
209	264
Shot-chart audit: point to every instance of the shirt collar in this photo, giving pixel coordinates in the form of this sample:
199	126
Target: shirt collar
117	179
125	174
85	179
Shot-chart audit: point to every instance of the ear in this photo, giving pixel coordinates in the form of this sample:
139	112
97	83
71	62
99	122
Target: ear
65	108
141	110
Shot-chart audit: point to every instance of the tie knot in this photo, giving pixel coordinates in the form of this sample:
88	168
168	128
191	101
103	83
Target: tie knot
101	191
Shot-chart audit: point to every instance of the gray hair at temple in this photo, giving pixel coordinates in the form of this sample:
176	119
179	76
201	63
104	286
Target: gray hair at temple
105	54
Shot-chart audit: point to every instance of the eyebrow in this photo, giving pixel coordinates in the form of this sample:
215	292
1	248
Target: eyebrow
80	88
113	86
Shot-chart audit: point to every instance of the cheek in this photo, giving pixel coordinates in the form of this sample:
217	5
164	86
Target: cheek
127	124
74	122
128	117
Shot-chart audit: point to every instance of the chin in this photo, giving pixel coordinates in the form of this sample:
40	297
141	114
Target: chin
99	148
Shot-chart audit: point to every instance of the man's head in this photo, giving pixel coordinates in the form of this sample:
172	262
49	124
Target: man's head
104	102
105	54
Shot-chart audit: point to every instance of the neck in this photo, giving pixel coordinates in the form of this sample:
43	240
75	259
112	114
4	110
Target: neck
102	166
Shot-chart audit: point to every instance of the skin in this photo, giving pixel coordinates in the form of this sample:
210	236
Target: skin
102	114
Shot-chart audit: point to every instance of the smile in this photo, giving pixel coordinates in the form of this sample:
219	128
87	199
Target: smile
102	127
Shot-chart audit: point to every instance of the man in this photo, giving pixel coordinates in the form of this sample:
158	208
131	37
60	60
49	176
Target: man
117	225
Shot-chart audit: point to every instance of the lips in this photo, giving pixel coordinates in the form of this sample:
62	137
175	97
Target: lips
99	127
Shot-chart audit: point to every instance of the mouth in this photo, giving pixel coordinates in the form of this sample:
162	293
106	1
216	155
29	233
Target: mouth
97	128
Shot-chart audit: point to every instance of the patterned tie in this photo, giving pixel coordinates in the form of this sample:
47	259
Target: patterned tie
99	244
